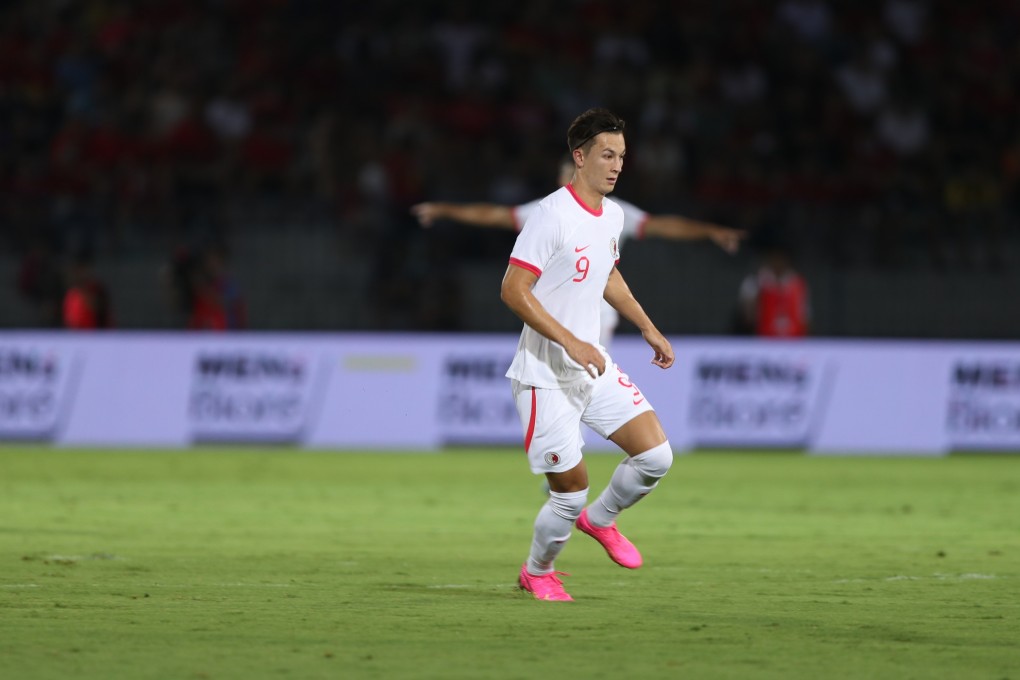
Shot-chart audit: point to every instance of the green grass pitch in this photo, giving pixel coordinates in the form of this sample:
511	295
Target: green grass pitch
277	563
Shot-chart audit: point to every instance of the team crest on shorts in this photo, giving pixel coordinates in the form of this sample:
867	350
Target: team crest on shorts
614	248
552	458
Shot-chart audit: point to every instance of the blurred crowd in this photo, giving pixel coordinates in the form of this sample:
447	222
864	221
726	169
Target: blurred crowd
869	133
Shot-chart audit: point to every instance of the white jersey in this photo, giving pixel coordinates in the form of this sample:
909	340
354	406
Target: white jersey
573	250
634	219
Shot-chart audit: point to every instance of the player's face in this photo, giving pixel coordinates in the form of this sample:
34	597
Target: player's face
604	162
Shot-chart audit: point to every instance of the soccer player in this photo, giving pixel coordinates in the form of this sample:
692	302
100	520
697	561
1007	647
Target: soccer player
637	224
562	266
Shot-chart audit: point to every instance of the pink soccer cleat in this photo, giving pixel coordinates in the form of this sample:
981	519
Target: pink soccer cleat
545	587
620	550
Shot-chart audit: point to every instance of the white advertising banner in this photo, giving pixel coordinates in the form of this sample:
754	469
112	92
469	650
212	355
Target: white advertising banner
983	405
251	394
378	392
474	403
36	381
886	398
741	398
132	391
424	391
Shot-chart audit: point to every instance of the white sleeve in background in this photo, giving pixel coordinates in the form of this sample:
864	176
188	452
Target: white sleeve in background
521	213
634	219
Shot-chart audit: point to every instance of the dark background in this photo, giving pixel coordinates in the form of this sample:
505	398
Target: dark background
876	139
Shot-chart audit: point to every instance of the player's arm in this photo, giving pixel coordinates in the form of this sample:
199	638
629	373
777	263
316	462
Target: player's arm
619	296
516	294
478	214
683	229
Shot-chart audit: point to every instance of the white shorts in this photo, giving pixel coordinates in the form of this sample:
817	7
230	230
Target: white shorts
552	418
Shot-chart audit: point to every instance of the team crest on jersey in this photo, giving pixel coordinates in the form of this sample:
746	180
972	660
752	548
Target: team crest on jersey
614	248
552	458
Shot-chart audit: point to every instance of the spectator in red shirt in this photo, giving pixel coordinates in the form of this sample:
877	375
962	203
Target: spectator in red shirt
87	301
774	300
204	289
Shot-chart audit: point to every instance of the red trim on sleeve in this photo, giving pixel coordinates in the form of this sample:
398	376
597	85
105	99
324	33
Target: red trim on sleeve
531	421
525	265
596	213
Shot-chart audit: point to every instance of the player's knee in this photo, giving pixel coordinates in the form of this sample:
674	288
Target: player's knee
568	505
654	463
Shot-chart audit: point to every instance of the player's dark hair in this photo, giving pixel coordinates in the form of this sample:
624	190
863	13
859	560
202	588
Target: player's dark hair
590	124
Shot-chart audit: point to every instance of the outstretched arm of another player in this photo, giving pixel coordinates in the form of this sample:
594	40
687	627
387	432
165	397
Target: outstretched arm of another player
478	214
679	228
516	294
619	296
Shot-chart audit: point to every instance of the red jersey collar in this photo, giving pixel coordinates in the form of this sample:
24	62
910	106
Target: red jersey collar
596	213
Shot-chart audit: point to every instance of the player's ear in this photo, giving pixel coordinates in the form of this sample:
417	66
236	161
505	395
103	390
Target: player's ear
578	155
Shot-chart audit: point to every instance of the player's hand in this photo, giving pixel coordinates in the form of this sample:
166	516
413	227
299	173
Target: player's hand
589	356
727	239
663	350
427	213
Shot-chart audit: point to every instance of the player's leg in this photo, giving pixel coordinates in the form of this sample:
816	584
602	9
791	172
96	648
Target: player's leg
568	494
639	434
571	481
551	420
621	413
649	457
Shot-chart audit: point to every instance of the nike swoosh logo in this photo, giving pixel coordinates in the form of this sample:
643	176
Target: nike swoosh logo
577	250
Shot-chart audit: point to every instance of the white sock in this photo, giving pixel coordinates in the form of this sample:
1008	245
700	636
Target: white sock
552	529
633	479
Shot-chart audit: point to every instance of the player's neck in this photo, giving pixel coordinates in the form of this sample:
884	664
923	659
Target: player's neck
590	197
